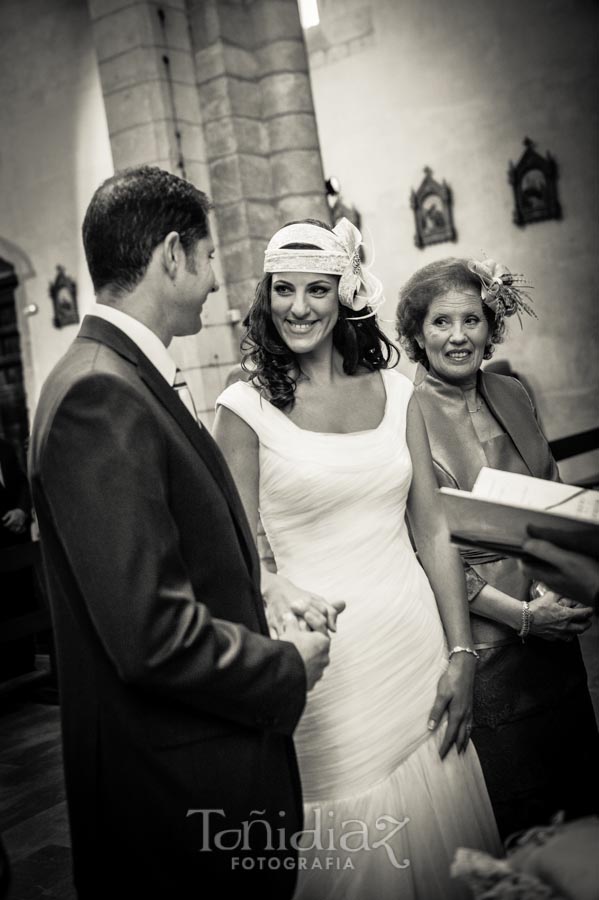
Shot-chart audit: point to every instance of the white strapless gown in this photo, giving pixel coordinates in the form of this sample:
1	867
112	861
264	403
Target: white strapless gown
383	813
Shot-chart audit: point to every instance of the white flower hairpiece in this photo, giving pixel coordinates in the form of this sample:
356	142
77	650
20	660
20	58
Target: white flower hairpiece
338	253
504	293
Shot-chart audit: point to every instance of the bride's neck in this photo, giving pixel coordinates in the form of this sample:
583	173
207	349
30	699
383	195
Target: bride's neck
321	368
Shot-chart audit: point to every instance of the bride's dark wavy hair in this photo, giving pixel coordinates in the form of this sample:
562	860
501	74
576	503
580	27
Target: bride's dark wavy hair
275	370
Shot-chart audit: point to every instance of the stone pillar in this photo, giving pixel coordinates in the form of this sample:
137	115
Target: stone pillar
237	147
147	76
153	114
288	112
261	141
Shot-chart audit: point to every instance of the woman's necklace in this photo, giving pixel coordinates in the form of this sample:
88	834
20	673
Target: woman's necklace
476	408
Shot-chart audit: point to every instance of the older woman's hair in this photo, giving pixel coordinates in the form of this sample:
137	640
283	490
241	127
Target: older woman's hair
275	370
428	283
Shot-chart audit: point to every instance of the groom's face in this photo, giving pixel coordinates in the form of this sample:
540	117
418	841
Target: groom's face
195	282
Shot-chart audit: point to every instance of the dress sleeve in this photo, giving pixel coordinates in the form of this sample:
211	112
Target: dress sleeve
247	403
474	582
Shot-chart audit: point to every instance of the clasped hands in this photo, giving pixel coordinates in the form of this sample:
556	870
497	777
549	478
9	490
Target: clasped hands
287	604
302	618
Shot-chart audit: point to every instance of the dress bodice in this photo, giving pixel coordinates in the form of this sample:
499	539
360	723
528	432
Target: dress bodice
329	493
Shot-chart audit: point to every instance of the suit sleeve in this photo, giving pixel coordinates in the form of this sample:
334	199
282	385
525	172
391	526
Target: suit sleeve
103	474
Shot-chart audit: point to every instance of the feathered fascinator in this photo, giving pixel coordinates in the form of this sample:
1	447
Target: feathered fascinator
504	293
337	254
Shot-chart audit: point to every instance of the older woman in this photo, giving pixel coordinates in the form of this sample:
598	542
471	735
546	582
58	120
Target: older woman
534	727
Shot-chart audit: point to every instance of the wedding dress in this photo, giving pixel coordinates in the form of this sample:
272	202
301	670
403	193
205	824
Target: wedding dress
383	813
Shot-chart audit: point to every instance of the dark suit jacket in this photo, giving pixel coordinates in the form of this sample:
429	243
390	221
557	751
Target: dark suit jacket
14	493
173	696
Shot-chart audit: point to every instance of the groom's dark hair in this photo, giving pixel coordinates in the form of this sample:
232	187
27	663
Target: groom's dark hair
130	214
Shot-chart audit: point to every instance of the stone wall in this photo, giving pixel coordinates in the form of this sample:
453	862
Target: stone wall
55	150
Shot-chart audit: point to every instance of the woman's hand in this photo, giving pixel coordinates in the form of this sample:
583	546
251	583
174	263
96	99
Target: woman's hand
284	599
454	696
553	620
15	520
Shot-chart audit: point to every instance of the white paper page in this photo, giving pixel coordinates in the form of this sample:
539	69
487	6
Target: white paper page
536	493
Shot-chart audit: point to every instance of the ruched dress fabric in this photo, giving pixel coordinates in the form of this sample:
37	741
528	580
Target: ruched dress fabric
383	813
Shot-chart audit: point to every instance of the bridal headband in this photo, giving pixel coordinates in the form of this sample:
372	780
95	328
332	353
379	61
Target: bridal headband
501	291
337	254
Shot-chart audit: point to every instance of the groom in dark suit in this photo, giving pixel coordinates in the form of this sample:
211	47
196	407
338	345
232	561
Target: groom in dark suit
177	708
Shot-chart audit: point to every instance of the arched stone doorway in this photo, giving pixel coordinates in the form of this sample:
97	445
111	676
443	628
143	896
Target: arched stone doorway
13	405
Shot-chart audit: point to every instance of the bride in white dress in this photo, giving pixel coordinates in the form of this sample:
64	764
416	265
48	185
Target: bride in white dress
328	450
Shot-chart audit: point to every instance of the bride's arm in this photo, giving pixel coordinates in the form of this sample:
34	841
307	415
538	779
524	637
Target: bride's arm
240	446
443	566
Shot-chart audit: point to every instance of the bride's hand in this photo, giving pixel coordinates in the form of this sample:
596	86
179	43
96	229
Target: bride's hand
454	696
282	599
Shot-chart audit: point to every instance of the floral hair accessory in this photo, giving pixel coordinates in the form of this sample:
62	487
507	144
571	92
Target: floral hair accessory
504	293
337	253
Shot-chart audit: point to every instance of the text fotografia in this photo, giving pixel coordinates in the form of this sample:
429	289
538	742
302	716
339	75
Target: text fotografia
354	837
291	862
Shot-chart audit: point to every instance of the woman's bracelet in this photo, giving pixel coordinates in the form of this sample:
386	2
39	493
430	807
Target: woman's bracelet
455	650
526	621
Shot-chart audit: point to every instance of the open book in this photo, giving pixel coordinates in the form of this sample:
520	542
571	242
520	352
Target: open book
496	513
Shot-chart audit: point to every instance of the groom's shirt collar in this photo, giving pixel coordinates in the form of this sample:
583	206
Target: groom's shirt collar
148	342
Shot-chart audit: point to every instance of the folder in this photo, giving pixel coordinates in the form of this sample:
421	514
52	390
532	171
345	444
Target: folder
502	506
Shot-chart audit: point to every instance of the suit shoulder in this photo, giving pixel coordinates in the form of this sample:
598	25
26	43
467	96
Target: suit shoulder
87	362
88	383
509	383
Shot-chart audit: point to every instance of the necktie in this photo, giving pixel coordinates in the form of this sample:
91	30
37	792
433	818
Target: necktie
184	393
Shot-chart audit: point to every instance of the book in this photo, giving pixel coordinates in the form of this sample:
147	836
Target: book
502	506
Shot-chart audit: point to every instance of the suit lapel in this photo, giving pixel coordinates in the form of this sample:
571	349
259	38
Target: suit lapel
97	329
207	449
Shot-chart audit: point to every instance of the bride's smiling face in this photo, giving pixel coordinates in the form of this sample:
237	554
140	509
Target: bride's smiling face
304	308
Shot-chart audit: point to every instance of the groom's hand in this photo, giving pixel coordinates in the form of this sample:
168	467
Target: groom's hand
312	646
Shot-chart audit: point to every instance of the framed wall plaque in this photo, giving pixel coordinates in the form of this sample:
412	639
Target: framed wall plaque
534	181
432	205
63	292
